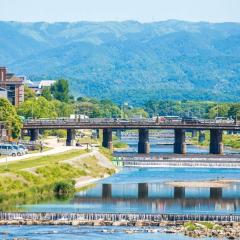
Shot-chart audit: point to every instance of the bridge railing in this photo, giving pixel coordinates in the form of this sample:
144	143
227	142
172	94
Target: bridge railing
114	121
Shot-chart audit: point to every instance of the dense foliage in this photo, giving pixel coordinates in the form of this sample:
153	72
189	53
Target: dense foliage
10	118
129	61
60	90
64	187
201	109
97	108
49	105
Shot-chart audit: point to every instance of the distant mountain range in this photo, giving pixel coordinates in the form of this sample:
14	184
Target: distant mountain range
129	61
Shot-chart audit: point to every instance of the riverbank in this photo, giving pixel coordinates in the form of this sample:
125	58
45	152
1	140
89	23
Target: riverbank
203	184
170	224
232	141
32	180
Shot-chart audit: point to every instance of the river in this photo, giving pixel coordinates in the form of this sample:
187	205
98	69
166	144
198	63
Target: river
135	190
84	233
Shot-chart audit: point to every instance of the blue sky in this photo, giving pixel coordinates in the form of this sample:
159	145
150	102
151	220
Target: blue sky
120	10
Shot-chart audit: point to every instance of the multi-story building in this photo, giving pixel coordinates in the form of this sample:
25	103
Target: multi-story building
14	86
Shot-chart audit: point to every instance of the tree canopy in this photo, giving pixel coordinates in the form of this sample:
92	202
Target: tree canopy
60	90
9	116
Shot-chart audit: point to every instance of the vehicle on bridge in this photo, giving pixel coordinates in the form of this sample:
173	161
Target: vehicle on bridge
191	120
224	120
172	118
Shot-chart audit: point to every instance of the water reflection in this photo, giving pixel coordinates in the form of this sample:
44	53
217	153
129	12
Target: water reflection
159	198
155	191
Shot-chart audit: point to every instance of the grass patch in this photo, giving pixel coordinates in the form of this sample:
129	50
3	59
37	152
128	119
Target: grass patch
106	152
87	140
119	144
38	161
208	225
232	141
45	148
34	180
190	226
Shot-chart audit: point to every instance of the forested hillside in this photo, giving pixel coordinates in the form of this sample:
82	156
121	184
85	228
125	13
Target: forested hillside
129	61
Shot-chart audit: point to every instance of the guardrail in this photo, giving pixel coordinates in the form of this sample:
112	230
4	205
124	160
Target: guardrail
110	121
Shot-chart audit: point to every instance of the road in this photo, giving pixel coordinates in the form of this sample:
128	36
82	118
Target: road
51	142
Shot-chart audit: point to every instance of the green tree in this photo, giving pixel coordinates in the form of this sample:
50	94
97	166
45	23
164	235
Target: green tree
234	110
46	92
97	109
9	116
37	108
136	112
219	110
63	109
28	93
60	90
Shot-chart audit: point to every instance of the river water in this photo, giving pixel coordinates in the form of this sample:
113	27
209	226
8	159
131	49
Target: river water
83	233
149	190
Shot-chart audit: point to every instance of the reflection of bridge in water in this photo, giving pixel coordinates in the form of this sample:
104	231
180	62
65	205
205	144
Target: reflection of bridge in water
105	191
213	197
143	193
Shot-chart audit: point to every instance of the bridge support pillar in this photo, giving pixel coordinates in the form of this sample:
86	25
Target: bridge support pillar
106	191
179	192
180	144
201	136
143	142
107	138
70	137
97	134
22	134
142	190
194	133
215	193
119	134
216	145
33	134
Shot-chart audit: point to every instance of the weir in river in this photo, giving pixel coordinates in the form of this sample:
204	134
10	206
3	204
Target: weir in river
67	217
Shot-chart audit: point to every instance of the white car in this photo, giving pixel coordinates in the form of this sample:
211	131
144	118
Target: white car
21	146
10	150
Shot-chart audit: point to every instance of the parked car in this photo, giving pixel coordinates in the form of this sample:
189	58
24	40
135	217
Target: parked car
10	150
20	151
21	146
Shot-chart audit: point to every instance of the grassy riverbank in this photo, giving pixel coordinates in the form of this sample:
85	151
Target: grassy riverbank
232	141
120	145
32	180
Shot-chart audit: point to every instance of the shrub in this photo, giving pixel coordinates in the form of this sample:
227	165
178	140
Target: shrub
64	187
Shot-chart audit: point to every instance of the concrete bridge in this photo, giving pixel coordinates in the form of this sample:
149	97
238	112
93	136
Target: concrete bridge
143	126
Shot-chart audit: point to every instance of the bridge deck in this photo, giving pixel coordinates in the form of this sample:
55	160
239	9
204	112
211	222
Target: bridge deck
128	124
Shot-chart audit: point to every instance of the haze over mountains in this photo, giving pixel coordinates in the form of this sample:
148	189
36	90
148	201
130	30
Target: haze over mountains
129	61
